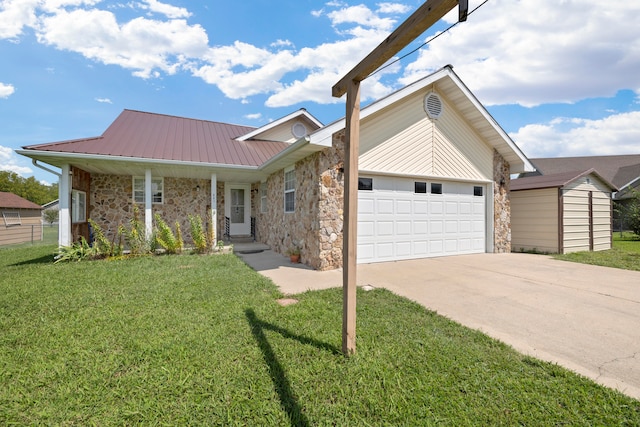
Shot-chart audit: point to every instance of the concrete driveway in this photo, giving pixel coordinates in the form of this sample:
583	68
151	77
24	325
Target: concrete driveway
585	318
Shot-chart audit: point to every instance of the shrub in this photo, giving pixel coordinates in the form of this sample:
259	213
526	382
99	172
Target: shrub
77	251
165	237
200	238
136	235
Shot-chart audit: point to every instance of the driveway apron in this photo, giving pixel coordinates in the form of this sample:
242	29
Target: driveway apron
585	318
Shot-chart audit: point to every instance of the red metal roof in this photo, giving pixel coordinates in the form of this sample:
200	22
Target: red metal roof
156	136
13	201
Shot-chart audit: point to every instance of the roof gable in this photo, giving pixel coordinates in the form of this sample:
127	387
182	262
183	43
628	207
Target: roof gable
447	82
13	201
284	129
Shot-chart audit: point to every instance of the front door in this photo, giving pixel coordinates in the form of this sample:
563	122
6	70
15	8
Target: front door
238	208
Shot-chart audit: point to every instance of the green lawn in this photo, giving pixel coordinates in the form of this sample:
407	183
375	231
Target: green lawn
624	254
201	340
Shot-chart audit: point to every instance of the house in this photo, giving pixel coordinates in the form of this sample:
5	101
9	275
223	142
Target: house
21	221
434	173
623	171
562	212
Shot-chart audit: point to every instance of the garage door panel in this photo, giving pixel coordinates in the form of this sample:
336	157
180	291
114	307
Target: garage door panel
384	206
395	223
403	228
420	207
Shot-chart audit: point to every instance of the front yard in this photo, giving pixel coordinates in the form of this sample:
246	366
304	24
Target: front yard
624	254
201	340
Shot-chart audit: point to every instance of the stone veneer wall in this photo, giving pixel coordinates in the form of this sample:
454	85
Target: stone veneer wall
111	202
316	225
501	204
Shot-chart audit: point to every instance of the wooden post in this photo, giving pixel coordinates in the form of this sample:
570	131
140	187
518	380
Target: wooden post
426	15
349	251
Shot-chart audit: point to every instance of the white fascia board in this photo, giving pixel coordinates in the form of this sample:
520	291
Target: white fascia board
42	155
527	165
275	123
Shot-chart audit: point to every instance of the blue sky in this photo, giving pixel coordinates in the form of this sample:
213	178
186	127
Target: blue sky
562	78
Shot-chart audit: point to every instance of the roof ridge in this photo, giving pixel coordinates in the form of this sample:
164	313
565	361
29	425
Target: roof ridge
187	118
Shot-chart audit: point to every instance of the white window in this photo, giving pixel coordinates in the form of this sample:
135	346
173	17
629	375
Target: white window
157	190
78	206
289	190
263	197
11	218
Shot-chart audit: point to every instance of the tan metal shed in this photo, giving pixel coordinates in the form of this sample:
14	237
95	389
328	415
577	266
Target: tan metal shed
21	220
561	213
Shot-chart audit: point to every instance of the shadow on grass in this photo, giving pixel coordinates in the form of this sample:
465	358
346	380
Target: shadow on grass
278	376
45	259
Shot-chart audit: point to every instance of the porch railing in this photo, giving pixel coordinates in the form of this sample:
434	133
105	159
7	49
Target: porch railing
227	228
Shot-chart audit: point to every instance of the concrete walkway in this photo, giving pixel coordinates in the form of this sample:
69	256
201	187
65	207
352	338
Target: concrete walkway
583	317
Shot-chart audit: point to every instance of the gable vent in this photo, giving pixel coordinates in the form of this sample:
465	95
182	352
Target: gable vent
299	130
433	105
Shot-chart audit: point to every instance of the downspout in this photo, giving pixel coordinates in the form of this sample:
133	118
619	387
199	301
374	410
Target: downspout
35	163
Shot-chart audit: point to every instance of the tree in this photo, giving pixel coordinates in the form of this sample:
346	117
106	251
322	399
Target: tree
50	215
28	188
631	212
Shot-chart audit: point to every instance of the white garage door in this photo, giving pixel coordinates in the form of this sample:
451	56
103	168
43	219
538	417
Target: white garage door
403	218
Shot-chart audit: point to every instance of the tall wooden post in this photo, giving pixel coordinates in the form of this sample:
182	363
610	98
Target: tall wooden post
350	223
424	17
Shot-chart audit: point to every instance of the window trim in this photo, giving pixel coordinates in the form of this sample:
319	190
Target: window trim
291	190
78	210
158	180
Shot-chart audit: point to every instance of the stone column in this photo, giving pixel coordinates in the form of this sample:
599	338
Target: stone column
501	204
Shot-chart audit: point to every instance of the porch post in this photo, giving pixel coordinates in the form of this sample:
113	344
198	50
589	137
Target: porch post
214	207
148	212
64	214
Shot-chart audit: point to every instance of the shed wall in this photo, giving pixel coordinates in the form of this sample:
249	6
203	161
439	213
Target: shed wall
587	224
534	220
29	230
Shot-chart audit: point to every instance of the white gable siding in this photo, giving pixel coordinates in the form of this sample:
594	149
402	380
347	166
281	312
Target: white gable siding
458	150
283	132
534	220
403	140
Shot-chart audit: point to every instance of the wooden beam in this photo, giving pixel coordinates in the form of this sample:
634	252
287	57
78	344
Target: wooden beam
423	18
350	222
427	15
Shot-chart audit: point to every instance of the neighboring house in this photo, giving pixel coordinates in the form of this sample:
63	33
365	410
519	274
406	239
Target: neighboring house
21	220
561	213
434	177
623	171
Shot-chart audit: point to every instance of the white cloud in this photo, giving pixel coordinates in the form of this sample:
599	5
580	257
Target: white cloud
393	8
166	9
6	90
104	100
566	137
255	116
531	52
9	162
141	44
15	15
